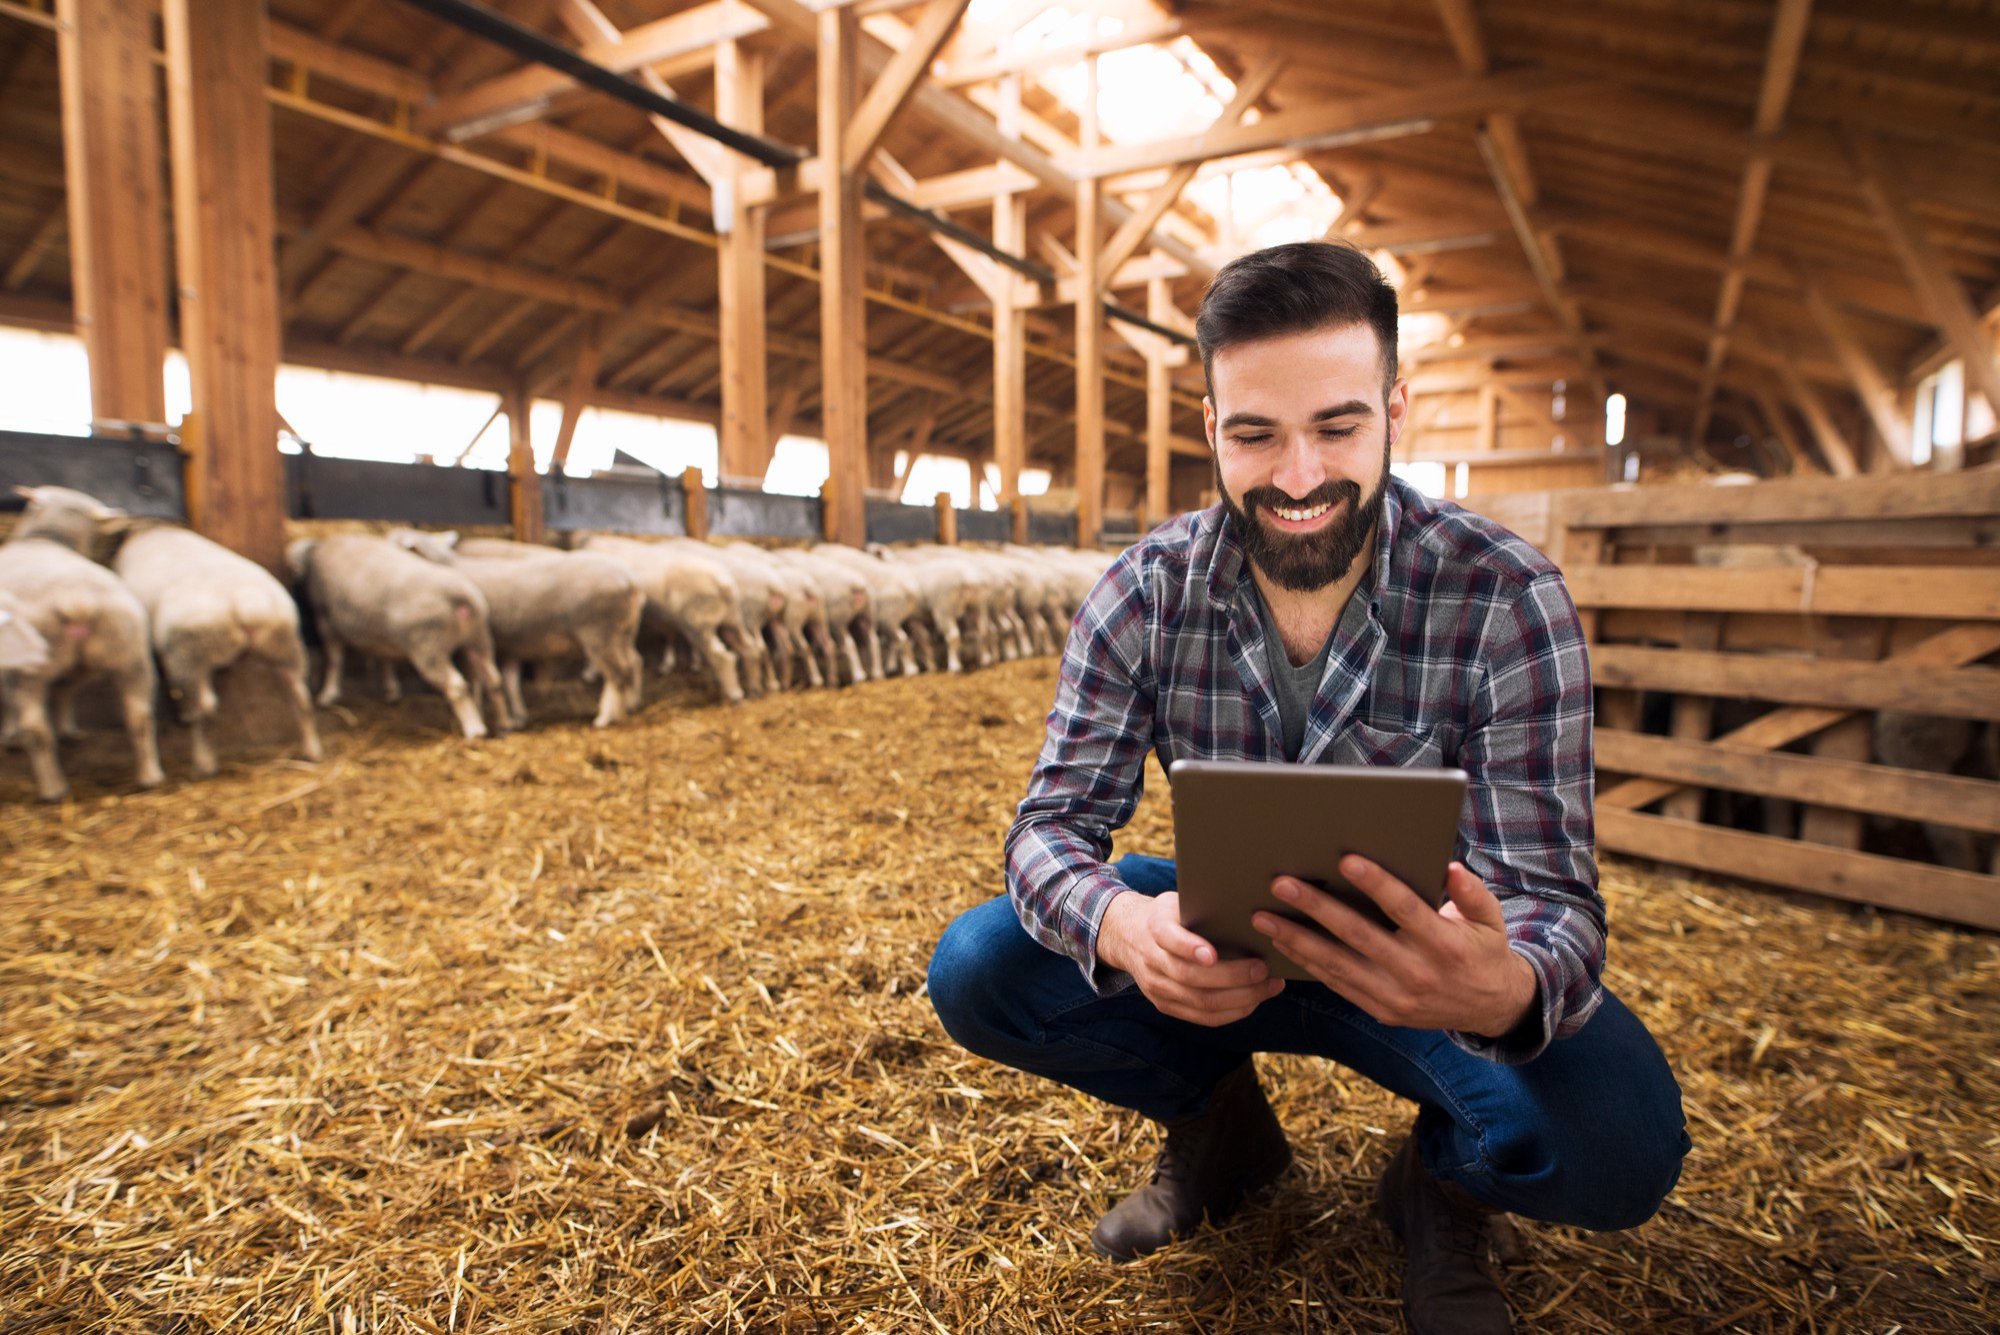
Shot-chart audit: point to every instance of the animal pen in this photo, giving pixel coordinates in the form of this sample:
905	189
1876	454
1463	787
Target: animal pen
626	1028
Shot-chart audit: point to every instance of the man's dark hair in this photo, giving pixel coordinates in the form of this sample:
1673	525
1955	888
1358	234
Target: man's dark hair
1293	289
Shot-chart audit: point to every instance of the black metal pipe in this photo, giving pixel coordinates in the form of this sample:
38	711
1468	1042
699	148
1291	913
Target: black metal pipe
1129	316
525	42
943	226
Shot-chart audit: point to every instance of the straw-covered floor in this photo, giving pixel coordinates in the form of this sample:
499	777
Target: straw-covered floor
626	1031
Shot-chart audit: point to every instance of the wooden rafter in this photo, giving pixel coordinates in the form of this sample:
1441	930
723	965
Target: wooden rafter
898	80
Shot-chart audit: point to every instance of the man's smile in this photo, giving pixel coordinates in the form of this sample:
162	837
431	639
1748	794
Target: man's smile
1300	518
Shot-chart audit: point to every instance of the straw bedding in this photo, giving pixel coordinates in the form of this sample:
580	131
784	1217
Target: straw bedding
626	1031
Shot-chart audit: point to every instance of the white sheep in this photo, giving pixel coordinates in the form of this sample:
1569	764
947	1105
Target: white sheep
90	623
210	608
369	595
543	605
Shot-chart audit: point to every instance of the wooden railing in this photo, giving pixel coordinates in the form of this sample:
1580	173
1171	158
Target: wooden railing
1825	602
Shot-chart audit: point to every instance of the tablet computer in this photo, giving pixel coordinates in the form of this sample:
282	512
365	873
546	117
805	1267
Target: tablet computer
1240	824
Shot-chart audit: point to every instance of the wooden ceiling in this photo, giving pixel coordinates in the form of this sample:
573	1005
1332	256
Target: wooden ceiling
1701	202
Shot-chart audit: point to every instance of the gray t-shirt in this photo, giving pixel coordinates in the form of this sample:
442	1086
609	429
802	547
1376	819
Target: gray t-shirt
1296	686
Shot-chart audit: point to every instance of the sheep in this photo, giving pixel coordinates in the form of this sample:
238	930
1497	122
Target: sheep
695	599
209	608
90	623
370	595
797	625
845	598
759	599
894	596
544	604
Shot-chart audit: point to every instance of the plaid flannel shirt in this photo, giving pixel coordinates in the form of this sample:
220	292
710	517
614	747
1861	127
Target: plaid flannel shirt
1460	647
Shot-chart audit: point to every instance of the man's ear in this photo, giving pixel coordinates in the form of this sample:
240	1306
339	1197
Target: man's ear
1208	421
1398	408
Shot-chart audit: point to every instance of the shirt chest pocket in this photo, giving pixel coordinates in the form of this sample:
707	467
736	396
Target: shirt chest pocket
1363	744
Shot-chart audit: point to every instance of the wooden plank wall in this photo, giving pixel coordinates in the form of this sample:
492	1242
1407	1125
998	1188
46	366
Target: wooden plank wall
1770	626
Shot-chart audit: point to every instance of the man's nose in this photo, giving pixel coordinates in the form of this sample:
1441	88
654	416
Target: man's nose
1300	469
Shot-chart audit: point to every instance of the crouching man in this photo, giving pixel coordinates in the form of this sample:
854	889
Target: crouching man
1327	613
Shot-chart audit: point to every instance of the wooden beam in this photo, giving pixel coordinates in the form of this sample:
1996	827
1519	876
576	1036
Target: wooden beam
893	86
39	245
116	203
982	69
1942	294
1377	116
527	92
1967	593
745	452
843	312
1780	426
582	384
1159	413
524	496
1135	229
1781	68
1010	340
1089	335
1912	887
1539	264
1970	693
1874	391
226	235
1832	444
359	188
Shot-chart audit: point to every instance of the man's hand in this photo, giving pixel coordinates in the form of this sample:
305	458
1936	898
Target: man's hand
1448	968
1178	971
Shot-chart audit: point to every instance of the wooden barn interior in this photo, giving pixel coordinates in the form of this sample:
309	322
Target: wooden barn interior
625	1030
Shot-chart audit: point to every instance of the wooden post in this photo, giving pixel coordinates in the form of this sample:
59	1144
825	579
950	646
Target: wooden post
843	315
1694	715
117	203
525	484
947	520
1089	335
695	492
582	380
1159	411
745	454
1010	335
1019	514
1487	438
218	62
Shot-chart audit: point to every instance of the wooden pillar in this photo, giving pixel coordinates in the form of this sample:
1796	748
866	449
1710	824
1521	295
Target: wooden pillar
745	451
1694	715
843	316
947	520
116	202
524	498
694	492
1010	336
1089	335
218	62
1487	438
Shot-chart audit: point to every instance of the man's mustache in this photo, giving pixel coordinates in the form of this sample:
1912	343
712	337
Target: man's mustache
1327	493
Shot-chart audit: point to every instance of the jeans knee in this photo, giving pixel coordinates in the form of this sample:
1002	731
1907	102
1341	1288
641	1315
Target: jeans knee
963	982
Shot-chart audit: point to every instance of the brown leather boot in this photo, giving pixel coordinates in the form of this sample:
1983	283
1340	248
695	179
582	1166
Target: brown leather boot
1209	1163
1448	1282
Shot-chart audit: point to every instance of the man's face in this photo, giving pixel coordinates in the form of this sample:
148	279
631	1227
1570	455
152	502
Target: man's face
1301	434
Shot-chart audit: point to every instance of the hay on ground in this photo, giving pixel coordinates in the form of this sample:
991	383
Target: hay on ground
626	1031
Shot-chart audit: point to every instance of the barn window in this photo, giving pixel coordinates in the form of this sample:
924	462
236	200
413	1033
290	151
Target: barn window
1614	420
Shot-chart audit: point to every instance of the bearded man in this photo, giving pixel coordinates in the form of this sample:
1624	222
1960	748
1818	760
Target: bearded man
1328	613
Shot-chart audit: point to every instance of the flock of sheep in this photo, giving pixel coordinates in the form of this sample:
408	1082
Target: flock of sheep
468	614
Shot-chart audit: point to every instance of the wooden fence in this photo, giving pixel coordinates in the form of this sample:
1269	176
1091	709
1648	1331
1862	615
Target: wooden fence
1825	601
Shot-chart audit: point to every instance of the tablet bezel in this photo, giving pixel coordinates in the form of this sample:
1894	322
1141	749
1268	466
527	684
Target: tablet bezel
1240	824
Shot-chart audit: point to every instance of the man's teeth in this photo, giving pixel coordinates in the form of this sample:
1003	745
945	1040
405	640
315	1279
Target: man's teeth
1300	516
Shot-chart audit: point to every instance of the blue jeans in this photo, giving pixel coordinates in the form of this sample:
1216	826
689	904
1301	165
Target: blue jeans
1590	1133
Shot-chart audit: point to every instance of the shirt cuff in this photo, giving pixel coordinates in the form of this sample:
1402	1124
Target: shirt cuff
1088	900
1530	1038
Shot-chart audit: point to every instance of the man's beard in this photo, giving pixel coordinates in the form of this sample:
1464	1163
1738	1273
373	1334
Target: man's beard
1305	562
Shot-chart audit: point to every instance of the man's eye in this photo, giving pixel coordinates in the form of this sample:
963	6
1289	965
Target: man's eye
1338	433
1249	440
